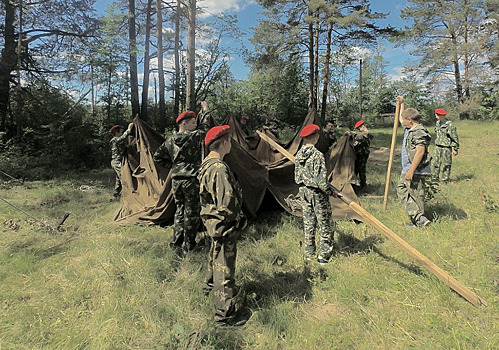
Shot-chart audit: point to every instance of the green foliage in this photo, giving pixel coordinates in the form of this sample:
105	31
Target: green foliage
51	141
447	37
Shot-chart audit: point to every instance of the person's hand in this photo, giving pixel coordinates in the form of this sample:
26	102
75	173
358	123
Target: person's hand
204	106
130	126
336	194
409	174
455	152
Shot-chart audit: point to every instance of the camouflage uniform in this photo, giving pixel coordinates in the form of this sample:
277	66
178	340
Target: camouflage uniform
311	175
118	146
446	140
221	203
412	192
361	145
182	153
330	137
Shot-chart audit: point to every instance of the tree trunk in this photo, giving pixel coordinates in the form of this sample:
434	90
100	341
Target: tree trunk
109	85
93	86
360	88
326	73
457	72
145	81
176	106
134	81
161	73
191	57
466	62
316	63
311	84
8	62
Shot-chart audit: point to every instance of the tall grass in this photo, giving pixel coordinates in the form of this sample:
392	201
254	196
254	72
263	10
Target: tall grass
98	285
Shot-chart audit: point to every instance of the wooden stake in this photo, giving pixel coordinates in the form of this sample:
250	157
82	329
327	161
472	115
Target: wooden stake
400	99
460	288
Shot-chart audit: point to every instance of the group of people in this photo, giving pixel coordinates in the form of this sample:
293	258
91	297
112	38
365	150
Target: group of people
206	190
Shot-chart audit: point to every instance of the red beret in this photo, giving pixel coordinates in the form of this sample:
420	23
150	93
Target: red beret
309	130
185	115
359	124
215	133
440	111
114	127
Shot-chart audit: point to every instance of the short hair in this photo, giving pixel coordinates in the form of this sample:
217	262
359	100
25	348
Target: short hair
310	137
186	120
411	113
215	145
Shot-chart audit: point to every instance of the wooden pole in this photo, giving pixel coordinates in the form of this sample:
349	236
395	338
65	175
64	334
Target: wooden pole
392	150
75	104
460	288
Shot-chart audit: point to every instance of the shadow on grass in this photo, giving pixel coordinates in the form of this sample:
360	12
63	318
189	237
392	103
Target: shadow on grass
348	245
438	210
464	177
263	289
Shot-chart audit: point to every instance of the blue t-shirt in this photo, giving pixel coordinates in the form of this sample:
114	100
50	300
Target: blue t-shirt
404	156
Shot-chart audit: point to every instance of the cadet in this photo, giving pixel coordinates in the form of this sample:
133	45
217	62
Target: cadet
330	133
221	202
182	153
118	145
271	125
361	146
244	125
415	167
446	145
311	175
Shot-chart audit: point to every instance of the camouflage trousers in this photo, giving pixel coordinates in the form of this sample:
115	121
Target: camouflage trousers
361	168
220	275
317	213
186	219
441	162
116	165
412	194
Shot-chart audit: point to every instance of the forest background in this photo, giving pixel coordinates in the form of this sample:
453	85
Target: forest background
68	72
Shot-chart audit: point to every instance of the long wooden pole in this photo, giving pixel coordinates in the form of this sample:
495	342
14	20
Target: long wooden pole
75	104
460	288
392	150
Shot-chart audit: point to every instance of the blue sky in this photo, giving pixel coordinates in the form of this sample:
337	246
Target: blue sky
248	14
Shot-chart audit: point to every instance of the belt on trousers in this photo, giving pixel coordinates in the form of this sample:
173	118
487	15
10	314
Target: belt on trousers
443	146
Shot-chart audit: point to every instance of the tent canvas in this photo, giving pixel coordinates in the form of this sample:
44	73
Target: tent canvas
147	193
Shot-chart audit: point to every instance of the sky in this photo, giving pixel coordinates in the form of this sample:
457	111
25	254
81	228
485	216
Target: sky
248	14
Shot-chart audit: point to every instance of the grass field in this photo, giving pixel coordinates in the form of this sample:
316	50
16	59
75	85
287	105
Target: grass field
97	285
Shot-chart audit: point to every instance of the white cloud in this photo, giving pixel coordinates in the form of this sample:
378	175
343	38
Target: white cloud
398	75
215	7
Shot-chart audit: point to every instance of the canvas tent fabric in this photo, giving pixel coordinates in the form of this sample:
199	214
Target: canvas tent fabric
147	194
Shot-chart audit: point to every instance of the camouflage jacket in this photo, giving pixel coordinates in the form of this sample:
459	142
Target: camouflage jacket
118	146
310	169
330	137
361	144
220	197
418	136
446	135
182	151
